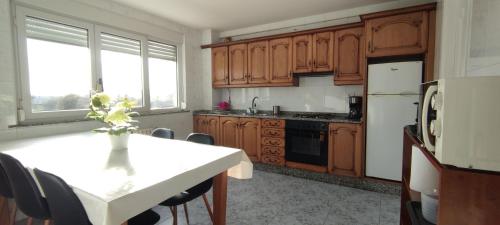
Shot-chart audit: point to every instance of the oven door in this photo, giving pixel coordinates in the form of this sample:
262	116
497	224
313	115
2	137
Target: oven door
307	146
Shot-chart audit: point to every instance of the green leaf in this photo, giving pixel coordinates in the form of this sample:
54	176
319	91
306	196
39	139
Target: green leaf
117	116
125	103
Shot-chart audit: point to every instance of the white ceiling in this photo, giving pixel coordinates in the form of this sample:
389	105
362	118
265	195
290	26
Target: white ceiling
225	15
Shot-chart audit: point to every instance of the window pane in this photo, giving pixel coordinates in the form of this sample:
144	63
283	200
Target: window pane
162	83
59	76
122	68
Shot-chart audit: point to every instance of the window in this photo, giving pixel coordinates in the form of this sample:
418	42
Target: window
162	61
63	60
57	54
121	67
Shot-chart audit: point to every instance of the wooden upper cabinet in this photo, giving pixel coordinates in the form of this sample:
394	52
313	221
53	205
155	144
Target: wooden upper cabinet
349	63
219	66
403	34
345	149
229	132
302	54
249	137
323	52
238	64
280	60
258	62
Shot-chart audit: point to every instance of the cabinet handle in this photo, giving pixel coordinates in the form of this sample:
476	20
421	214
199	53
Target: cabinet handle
314	63
309	62
370	46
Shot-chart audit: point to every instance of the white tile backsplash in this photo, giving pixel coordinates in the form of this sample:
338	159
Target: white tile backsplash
314	94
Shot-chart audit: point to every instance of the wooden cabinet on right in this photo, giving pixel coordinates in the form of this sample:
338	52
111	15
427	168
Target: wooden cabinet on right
349	63
403	34
345	149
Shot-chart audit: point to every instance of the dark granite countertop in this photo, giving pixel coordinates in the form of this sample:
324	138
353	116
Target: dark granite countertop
284	115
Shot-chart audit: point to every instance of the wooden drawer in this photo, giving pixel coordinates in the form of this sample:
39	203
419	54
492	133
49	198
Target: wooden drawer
273	150
273	123
269	141
273	132
273	159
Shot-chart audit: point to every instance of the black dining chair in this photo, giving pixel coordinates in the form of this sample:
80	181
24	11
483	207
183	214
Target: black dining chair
66	208
6	192
163	133
25	191
192	193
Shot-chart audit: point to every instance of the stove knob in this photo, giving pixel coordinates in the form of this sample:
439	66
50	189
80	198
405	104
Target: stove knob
439	100
435	128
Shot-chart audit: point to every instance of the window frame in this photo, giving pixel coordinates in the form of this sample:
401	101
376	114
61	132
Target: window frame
180	79
94	29
22	38
145	75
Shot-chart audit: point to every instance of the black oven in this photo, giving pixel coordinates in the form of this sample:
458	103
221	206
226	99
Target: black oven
306	142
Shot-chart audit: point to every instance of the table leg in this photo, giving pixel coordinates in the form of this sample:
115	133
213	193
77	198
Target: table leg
220	198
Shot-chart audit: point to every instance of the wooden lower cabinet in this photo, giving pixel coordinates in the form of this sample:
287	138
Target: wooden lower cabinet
229	132
345	149
249	137
241	133
207	125
273	142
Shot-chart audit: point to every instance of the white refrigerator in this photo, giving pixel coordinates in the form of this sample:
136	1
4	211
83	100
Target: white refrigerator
393	90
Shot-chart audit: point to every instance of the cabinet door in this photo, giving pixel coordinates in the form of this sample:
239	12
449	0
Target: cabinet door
302	54
229	132
199	124
219	66
397	35
238	64
280	60
258	62
345	149
212	127
249	137
323	52
349	56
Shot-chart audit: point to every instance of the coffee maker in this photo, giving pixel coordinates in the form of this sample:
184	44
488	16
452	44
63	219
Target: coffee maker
355	107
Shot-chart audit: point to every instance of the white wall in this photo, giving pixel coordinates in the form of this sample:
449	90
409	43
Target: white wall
315	94
467	38
111	14
484	54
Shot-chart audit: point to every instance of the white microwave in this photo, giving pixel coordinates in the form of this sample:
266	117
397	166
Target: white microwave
464	130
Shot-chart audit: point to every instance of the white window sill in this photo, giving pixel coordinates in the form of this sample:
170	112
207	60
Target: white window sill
144	114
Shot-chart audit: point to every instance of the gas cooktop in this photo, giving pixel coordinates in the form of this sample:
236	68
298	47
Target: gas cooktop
324	116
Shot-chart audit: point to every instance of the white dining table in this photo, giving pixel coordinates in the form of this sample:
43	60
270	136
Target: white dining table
116	185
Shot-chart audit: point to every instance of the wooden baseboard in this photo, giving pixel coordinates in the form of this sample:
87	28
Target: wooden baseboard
303	166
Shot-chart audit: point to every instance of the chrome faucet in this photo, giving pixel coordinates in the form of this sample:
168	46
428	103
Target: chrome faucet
253	108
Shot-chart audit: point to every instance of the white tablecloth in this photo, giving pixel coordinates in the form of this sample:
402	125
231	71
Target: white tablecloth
117	185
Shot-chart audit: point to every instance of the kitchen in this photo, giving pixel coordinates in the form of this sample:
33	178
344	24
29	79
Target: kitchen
326	100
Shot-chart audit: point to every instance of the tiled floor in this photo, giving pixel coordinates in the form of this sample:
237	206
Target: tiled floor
272	199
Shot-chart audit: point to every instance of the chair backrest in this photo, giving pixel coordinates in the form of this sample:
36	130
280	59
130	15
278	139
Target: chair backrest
201	138
5	190
64	205
163	133
26	193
